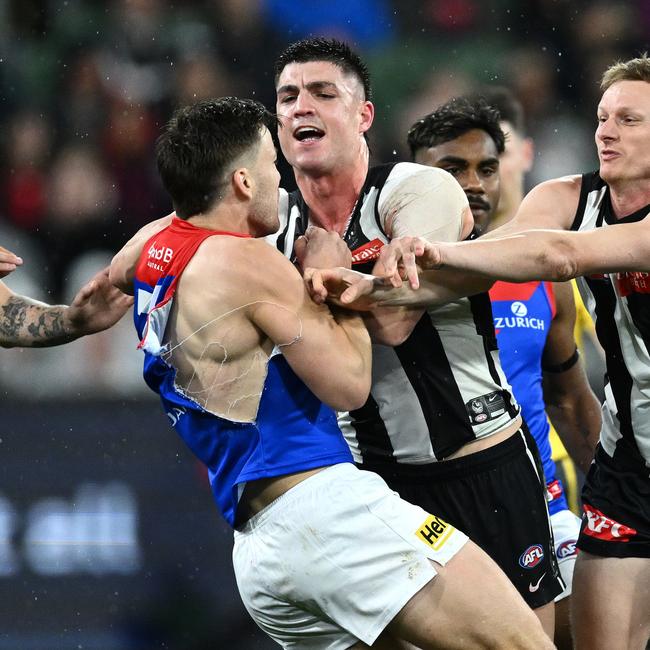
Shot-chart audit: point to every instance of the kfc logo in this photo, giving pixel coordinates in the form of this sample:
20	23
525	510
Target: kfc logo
598	525
633	282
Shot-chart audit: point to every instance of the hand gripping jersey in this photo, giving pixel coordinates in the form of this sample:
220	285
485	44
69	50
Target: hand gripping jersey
619	304
522	317
292	431
443	387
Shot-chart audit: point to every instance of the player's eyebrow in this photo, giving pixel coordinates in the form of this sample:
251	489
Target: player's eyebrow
311	86
452	159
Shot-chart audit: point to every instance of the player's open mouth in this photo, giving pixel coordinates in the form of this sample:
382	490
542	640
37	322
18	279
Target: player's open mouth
308	133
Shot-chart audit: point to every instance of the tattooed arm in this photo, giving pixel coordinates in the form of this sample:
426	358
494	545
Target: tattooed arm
28	323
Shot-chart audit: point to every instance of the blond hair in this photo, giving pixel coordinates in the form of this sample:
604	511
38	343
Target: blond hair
633	70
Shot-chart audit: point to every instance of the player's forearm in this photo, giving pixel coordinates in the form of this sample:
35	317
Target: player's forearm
578	423
530	255
356	364
436	288
28	323
554	255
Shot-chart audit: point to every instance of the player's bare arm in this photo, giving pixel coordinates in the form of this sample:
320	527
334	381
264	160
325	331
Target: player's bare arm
29	323
329	351
570	403
364	292
551	205
553	255
265	304
122	269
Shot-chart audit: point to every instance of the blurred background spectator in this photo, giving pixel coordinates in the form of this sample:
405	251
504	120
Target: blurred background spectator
85	87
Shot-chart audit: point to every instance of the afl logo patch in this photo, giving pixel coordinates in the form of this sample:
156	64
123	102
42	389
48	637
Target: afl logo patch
519	309
531	557
566	549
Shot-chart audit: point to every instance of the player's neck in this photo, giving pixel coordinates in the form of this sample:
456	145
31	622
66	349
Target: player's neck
225	218
331	198
629	197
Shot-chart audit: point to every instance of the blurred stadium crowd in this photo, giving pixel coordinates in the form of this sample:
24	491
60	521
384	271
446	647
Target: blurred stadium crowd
85	86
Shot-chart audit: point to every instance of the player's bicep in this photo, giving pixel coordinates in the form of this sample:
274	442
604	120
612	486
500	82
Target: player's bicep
549	205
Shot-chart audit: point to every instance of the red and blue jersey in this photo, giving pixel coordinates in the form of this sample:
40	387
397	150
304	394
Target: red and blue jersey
292	431
522	317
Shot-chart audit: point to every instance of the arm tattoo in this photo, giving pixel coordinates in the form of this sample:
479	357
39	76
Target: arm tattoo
26	323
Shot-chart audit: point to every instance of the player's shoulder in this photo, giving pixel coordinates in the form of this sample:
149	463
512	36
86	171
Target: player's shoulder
567	187
409	178
406	170
551	204
246	259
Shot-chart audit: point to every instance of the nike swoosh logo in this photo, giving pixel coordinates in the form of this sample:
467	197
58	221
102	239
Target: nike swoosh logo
534	587
491	399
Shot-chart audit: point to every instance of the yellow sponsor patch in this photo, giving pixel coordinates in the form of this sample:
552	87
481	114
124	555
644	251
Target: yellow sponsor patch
434	532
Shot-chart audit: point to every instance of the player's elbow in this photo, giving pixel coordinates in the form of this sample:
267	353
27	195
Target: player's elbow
354	394
559	263
353	398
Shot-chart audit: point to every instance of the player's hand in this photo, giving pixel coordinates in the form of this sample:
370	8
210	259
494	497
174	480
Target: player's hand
97	306
343	287
403	258
8	262
322	249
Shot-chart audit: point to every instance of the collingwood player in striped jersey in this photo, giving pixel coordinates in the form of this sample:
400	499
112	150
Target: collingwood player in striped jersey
441	425
611	252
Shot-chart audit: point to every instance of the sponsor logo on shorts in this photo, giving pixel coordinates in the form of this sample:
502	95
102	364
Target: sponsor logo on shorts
434	532
566	549
531	557
367	252
598	525
633	282
533	587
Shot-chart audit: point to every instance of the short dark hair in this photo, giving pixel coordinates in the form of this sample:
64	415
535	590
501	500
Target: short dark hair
325	49
453	119
199	143
509	107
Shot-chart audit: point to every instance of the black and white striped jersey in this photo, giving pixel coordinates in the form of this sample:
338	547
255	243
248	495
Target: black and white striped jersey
441	388
619	303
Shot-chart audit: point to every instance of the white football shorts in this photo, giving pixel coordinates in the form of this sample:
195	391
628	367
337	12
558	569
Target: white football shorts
566	528
334	559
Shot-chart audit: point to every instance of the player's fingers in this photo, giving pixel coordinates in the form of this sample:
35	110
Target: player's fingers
6	268
411	270
315	285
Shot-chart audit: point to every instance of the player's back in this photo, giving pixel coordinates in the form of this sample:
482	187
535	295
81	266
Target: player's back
219	355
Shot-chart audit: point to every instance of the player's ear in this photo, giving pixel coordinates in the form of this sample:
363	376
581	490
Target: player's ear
367	116
242	182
